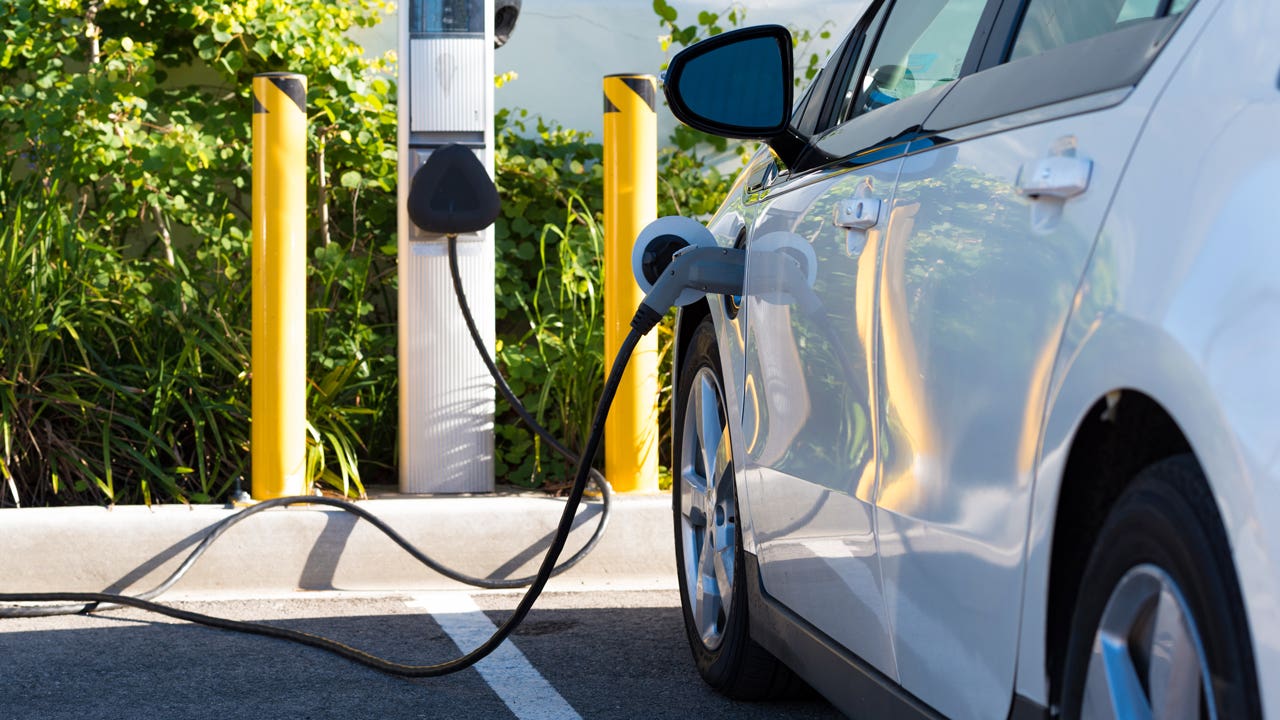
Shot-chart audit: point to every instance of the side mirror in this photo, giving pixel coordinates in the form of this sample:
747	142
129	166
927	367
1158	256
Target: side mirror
737	85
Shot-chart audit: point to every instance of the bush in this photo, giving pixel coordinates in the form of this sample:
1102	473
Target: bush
124	138
119	381
124	250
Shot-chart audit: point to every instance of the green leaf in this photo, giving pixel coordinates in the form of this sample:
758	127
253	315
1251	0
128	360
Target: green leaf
232	61
664	10
350	179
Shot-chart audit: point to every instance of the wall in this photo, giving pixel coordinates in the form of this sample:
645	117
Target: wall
562	48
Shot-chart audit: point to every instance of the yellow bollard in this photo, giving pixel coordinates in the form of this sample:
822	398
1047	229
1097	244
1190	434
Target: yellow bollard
278	438
630	203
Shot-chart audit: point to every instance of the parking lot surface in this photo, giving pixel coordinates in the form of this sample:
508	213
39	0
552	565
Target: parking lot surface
589	653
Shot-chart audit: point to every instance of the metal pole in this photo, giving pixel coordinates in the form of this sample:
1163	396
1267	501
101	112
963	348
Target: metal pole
630	203
278	436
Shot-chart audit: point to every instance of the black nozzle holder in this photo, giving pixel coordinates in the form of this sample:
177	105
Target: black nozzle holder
713	270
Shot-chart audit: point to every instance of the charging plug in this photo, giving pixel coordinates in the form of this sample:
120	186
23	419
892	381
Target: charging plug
703	270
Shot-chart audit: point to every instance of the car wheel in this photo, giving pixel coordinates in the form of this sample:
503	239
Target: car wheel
1159	629
709	555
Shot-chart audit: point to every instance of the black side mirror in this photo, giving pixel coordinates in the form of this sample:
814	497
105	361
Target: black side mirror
452	193
737	85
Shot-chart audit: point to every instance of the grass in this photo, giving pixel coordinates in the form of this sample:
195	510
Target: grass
124	378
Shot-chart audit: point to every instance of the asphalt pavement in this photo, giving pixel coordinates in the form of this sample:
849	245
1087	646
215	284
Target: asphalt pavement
606	641
591	653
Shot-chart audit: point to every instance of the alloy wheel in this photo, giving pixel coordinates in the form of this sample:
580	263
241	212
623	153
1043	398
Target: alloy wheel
708	509
1148	660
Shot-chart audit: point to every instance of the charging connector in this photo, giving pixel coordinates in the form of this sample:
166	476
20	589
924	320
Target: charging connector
676	261
705	270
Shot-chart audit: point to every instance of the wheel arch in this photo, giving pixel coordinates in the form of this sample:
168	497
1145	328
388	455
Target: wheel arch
1127	395
1122	433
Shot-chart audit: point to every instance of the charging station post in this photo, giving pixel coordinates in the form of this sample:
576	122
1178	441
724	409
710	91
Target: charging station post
446	394
630	203
278	437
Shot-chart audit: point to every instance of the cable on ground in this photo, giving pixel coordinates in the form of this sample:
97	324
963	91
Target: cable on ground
86	602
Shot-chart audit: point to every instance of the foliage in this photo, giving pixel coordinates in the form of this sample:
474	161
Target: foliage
132	119
118	379
549	294
549	269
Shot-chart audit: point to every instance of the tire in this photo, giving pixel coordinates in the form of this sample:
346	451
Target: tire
709	555
1159	622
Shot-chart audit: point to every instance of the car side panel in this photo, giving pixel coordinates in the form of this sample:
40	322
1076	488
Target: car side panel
1181	302
977	285
809	443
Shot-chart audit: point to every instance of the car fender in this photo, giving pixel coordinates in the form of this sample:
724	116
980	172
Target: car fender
1180	303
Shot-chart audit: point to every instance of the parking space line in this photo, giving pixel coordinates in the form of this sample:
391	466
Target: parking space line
515	681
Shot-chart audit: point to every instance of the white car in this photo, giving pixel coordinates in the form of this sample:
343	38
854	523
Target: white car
992	430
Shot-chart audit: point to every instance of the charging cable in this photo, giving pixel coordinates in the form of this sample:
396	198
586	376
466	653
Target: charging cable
703	269
452	193
606	491
597	479
544	573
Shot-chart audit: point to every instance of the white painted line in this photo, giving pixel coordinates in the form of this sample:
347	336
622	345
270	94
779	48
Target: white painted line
526	693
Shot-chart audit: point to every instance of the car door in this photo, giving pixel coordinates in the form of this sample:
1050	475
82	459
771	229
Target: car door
812	264
992	222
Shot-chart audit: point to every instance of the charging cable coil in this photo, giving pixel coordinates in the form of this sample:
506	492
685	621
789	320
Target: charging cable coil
678	277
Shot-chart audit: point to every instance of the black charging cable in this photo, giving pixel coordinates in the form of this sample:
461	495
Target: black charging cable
95	602
597	479
641	325
606	492
456	196
705	269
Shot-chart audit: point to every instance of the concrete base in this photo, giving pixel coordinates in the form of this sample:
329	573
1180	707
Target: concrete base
132	548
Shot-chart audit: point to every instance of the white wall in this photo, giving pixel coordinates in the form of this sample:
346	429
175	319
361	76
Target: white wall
562	48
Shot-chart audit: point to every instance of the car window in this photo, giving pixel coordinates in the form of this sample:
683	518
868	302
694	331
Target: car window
923	45
1050	24
844	108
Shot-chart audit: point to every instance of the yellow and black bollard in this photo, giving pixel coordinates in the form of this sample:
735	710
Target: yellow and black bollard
278	437
630	203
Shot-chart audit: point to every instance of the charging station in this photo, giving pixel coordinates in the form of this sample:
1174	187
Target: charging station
446	393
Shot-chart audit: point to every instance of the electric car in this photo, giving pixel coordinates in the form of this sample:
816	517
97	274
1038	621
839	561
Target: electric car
991	430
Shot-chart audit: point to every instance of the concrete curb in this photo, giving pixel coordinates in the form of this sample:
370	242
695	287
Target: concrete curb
132	548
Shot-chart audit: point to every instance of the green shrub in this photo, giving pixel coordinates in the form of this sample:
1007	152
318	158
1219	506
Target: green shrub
125	129
119	380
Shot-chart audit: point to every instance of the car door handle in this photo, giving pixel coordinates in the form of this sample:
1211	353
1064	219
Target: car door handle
1059	177
857	213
